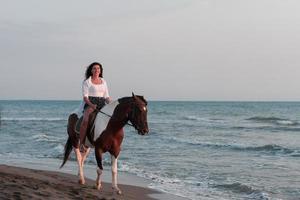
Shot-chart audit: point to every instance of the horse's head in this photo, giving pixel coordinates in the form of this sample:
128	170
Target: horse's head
138	114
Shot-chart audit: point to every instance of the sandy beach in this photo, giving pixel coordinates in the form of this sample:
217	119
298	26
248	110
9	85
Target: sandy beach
23	183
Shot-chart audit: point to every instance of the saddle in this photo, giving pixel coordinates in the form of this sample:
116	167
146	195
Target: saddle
90	127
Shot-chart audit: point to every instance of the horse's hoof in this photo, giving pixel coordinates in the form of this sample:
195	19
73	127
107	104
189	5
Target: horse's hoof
99	186
117	190
81	182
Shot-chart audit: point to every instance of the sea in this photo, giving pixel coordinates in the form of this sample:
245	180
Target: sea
197	150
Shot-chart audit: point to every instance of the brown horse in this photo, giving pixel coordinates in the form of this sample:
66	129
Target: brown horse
107	134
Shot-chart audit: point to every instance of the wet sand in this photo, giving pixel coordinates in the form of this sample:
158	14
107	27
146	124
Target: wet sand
24	183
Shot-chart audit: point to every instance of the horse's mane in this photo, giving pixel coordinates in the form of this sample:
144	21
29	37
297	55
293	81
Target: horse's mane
130	99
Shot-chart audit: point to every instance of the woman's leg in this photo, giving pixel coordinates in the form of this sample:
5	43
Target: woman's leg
84	124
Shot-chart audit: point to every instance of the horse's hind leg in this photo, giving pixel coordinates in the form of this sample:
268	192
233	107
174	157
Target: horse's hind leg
98	154
80	166
114	172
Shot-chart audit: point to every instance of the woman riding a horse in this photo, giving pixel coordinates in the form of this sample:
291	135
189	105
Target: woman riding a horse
95	94
106	133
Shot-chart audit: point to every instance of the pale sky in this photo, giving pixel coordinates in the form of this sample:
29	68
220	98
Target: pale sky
162	49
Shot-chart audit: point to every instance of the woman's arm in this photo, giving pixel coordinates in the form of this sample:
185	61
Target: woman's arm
85	93
108	99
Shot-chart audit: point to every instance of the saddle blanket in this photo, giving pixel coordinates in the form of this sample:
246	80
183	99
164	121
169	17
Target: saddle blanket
100	122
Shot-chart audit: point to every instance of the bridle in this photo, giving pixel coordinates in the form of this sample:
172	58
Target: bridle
131	115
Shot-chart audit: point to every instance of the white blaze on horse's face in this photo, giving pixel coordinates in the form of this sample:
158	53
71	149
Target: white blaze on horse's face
139	115
142	122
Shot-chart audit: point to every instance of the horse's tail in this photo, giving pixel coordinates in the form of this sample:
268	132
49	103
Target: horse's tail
68	149
72	139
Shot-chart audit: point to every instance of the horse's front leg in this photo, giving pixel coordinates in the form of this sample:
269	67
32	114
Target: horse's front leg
98	154
114	172
84	156
80	166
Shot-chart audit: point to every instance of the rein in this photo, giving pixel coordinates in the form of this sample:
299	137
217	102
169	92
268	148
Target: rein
99	111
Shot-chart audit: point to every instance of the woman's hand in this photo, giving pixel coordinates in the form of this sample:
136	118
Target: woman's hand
94	106
108	100
88	102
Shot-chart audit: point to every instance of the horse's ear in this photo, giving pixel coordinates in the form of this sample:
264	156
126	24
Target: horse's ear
134	97
143	99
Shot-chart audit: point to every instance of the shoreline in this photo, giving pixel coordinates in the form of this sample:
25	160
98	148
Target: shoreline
40	170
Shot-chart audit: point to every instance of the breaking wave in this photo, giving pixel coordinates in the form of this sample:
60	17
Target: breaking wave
244	189
268	148
274	120
272	148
